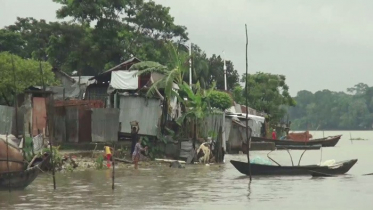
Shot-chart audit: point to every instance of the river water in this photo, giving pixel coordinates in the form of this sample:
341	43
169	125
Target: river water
211	187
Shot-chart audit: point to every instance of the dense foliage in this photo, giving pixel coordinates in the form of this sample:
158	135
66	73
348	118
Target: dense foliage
104	33
93	36
220	100
26	73
268	93
328	110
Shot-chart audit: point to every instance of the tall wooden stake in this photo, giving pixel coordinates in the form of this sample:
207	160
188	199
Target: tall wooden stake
15	96
7	160
50	106
248	140
113	174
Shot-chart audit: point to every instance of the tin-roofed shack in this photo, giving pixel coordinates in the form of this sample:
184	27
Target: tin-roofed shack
99	89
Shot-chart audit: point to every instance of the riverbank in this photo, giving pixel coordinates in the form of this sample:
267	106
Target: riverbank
79	160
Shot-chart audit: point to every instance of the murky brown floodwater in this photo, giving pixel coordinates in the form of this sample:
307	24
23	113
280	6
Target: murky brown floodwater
214	187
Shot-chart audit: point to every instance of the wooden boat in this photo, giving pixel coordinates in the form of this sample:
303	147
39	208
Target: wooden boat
259	169
324	142
9	151
19	180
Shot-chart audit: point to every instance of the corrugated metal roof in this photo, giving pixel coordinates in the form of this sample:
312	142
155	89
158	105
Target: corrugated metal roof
131	60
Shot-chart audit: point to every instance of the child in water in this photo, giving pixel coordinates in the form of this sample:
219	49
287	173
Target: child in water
136	153
108	155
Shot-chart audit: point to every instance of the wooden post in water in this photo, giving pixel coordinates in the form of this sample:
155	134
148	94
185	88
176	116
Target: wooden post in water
7	161
113	163
248	140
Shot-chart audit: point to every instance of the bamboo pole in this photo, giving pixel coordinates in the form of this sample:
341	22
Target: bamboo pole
247	116
7	161
15	96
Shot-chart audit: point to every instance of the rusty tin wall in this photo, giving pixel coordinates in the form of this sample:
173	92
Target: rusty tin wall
39	115
72	124
85	131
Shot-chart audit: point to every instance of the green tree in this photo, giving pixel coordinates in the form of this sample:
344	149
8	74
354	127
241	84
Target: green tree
220	100
11	42
268	93
238	94
216	70
125	28
27	73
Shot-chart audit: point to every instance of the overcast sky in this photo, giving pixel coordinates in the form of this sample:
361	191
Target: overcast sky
316	44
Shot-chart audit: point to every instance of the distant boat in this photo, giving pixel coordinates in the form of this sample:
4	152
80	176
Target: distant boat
324	142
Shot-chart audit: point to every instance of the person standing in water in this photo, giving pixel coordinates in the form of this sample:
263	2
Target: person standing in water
274	134
136	153
134	137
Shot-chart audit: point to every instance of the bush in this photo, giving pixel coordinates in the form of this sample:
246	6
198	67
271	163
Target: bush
220	100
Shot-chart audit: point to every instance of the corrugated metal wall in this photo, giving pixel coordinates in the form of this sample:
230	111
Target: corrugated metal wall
72	124
6	119
145	111
105	125
60	124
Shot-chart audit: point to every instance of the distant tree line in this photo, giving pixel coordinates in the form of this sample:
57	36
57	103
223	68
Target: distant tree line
328	110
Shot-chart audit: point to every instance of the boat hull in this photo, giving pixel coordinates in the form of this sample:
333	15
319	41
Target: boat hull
258	169
324	142
21	179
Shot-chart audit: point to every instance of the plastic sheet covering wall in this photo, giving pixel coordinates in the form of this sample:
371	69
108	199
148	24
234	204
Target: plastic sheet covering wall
212	124
105	125
72	124
6	119
256	127
145	111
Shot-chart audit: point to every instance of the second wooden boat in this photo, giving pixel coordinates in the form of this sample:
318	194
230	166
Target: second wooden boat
324	142
276	170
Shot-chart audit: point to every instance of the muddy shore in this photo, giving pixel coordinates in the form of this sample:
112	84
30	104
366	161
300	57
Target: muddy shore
90	160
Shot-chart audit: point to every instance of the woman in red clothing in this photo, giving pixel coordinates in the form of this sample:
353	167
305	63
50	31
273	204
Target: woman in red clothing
274	134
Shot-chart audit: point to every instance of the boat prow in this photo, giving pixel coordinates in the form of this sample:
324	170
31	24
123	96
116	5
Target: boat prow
21	179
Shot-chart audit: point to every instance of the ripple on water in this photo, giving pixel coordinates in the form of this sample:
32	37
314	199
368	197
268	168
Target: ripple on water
200	187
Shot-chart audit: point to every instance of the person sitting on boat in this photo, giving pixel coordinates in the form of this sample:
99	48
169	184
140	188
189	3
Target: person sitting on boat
108	156
274	134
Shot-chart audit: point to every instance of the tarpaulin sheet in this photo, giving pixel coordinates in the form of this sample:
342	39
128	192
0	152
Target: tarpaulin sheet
124	80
